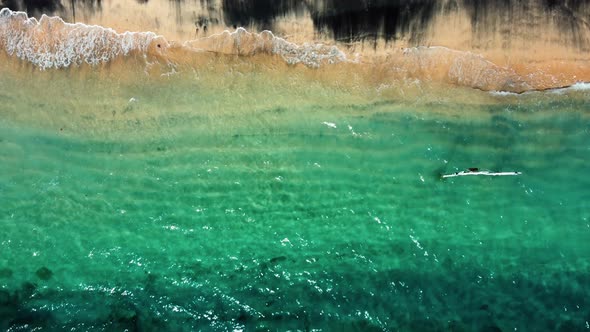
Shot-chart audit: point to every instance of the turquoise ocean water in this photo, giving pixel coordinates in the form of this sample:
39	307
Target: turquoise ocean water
299	216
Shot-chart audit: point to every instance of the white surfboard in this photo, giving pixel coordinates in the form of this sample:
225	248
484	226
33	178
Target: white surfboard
484	173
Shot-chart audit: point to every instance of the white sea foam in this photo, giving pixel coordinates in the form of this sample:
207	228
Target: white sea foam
580	86
329	124
53	43
503	93
242	42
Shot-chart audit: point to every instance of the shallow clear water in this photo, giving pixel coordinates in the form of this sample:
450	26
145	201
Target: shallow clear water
298	217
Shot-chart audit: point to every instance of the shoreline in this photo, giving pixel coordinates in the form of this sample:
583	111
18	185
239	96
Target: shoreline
50	42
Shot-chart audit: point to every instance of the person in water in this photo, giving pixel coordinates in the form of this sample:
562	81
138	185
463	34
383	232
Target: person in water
473	169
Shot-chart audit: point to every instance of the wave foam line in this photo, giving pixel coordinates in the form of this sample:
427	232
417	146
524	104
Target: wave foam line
579	86
576	87
242	42
53	43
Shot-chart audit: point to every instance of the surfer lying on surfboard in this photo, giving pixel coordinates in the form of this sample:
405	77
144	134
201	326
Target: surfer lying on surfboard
476	171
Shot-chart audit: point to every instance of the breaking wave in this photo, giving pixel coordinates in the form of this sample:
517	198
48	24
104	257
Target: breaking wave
52	43
583	87
242	42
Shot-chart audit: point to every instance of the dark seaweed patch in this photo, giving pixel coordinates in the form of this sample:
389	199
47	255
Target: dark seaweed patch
277	260
570	16
396	307
37	8
5	297
26	291
345	20
44	273
571	20
491	328
34	7
15	315
569	5
260	13
5	272
351	20
354	20
124	316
